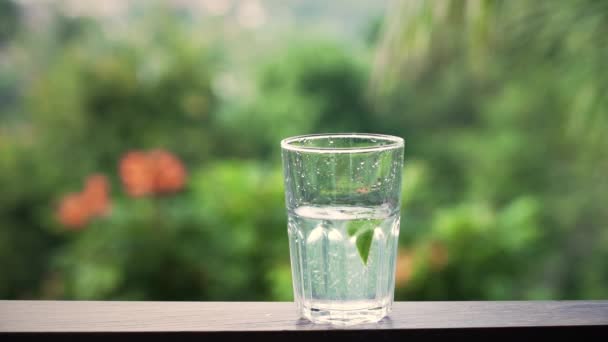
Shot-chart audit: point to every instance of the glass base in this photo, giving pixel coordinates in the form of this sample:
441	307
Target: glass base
343	314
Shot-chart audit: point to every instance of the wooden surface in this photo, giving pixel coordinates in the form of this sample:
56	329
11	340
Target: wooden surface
215	317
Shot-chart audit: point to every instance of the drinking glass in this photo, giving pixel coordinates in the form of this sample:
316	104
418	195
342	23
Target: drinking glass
343	194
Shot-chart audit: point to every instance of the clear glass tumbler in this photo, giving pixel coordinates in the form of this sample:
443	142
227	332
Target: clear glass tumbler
343	194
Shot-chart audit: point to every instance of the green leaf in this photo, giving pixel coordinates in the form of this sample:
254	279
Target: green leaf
364	243
353	227
356	226
364	232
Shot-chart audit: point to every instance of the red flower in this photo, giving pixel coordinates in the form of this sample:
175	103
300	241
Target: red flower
151	173
71	212
170	172
77	209
137	174
95	195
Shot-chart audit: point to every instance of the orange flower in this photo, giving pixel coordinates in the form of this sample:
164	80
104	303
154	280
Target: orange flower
404	268
170	172
137	174
71	212
95	195
154	172
77	209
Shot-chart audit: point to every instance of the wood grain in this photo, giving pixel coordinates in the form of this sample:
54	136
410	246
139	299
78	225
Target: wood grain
124	317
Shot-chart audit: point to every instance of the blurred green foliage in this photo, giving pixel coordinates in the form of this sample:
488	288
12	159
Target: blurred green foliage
9	19
311	87
501	104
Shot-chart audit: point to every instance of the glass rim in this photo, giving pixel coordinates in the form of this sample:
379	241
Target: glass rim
394	142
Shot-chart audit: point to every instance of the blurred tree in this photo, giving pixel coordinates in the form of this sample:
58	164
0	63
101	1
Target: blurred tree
373	32
312	87
502	99
26	243
124	99
95	100
9	20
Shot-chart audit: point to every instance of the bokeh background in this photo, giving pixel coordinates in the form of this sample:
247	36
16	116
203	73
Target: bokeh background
139	142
